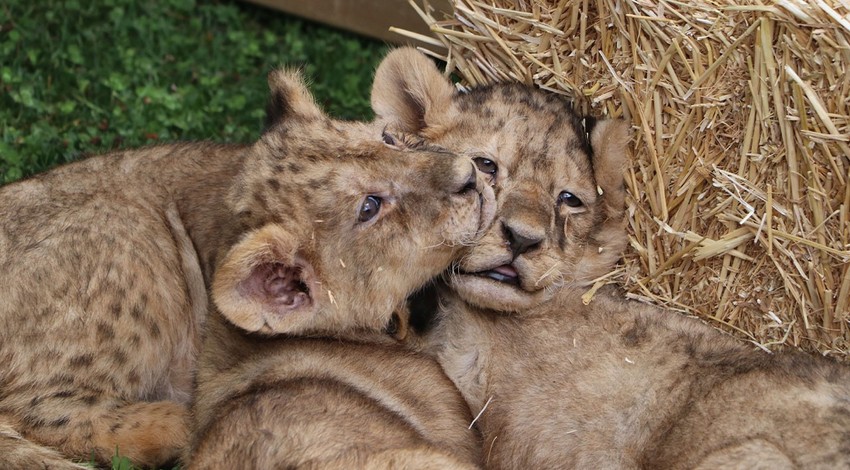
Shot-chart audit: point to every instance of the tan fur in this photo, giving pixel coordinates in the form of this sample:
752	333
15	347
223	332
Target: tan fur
620	384
349	397
97	323
614	384
21	454
319	403
105	264
540	149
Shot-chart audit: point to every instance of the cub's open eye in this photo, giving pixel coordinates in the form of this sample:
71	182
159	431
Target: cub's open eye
389	139
569	199
485	165
369	209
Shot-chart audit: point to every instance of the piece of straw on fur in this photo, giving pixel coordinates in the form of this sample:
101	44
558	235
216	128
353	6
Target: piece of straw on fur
738	194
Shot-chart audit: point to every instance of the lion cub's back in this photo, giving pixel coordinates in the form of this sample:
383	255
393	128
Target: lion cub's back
93	280
333	404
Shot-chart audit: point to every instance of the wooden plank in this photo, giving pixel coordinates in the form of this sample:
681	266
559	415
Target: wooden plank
367	17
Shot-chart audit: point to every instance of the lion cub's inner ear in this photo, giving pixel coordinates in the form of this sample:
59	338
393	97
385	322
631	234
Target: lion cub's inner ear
290	98
409	93
263	285
280	286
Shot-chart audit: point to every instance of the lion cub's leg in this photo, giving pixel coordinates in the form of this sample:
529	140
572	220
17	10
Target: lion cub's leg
148	433
20	453
409	459
754	454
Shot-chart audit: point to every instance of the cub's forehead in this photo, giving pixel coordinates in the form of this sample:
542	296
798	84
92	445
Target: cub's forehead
525	129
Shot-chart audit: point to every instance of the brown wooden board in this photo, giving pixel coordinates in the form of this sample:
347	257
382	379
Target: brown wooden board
371	18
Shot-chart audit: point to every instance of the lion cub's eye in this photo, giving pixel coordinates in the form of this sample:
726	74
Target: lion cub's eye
569	199
485	165
369	209
389	139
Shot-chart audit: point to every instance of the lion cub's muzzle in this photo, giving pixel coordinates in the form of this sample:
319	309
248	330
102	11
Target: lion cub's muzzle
512	266
472	206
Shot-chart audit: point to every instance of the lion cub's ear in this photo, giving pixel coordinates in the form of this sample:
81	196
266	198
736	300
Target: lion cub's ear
290	98
609	139
409	93
263	285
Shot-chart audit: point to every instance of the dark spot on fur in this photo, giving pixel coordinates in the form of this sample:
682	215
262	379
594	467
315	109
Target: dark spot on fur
636	335
135	339
58	423
115	308
90	399
317	183
82	360
136	312
64	394
115	427
274	184
133	378
293	168
278	168
119	357
104	332
154	329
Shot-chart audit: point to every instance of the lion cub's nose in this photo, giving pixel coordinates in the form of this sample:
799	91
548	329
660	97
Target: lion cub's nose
519	242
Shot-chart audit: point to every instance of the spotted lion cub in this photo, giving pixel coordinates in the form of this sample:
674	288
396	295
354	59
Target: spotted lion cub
613	384
296	370
105	266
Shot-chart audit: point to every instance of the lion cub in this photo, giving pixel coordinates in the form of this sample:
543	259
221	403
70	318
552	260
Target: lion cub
295	370
105	266
614	384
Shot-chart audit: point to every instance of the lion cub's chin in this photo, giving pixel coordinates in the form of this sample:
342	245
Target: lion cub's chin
494	295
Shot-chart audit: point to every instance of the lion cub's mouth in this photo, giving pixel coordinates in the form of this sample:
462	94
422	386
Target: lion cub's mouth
505	274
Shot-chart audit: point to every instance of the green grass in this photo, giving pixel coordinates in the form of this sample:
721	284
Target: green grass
80	76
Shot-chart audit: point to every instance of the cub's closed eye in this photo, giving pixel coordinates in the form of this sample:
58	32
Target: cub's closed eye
485	165
570	199
370	207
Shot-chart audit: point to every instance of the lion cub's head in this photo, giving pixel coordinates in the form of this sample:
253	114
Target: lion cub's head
559	182
340	224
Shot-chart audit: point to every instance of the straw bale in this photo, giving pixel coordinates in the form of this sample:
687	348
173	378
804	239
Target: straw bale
741	112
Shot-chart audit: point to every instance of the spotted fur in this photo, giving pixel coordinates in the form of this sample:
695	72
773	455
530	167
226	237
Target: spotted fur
106	265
